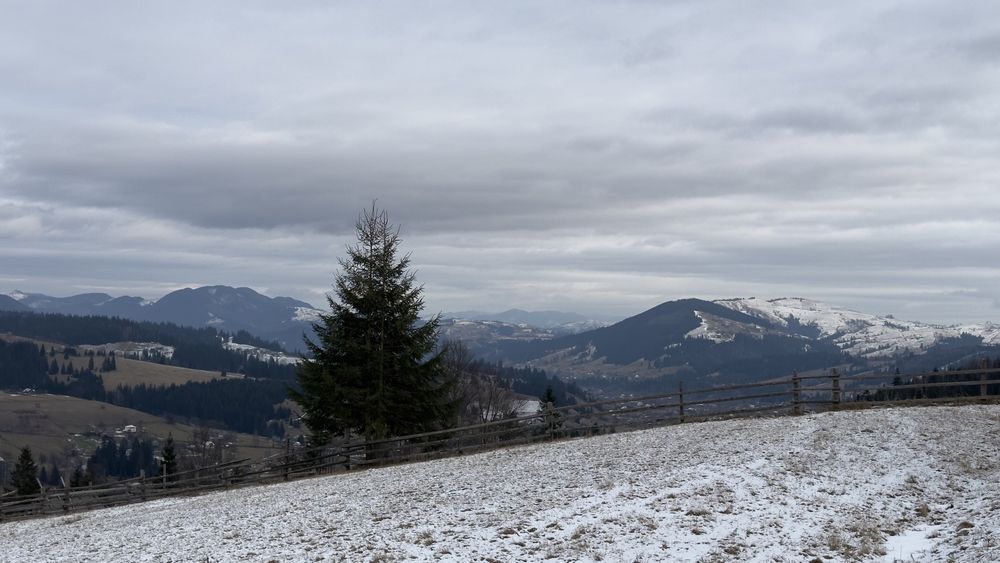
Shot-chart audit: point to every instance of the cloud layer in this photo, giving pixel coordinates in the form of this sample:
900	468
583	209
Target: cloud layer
590	156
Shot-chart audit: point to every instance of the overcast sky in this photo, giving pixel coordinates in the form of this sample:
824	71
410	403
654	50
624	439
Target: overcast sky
599	157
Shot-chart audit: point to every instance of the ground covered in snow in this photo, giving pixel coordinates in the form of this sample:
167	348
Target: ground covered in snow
915	484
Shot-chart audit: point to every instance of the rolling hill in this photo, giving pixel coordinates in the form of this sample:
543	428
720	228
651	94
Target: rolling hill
735	340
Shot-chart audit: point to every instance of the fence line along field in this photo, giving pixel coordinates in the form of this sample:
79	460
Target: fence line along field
887	484
778	397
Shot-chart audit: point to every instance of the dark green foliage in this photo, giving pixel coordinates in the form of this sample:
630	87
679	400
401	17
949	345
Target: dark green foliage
24	476
21	367
122	460
241	405
55	479
244	337
109	363
548	396
372	371
169	466
83	384
81	478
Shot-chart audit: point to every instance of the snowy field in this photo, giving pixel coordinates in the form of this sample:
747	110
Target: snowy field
916	484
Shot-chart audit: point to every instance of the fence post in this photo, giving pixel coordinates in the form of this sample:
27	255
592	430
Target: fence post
680	401
796	394
835	389
142	483
65	506
288	448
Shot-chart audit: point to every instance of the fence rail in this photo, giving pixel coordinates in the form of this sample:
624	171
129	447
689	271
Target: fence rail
793	395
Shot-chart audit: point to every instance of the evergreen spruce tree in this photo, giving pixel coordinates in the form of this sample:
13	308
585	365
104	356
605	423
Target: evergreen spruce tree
77	479
25	474
55	478
548	397
169	456
372	372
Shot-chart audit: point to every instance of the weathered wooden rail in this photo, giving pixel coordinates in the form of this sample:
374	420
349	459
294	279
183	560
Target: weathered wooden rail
793	395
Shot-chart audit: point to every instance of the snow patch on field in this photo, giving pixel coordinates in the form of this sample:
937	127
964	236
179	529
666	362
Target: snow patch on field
851	486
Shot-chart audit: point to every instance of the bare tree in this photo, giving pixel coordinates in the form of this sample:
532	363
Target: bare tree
457	364
479	397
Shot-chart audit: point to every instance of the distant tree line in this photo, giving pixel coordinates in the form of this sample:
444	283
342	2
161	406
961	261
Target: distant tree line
113	459
891	393
946	353
118	459
239	405
23	365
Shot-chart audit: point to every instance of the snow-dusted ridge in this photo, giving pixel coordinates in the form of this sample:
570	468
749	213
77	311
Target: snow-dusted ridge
859	334
17	295
915	484
306	314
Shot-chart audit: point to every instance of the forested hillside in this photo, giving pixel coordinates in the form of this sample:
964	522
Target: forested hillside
196	348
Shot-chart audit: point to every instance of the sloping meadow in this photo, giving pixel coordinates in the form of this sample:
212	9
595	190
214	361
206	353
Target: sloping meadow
874	485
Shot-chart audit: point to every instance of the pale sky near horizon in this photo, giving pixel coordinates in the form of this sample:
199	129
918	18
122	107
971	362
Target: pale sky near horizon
597	157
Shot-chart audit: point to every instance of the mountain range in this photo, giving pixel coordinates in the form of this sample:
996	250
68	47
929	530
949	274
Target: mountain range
743	339
724	340
281	319
556	321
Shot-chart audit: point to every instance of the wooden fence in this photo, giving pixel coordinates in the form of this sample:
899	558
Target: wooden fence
793	395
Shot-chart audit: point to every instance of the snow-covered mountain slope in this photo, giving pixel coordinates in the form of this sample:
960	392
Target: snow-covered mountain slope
915	484
859	334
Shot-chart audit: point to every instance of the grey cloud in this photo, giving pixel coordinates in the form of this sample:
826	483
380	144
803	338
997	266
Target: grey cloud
985	47
587	155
